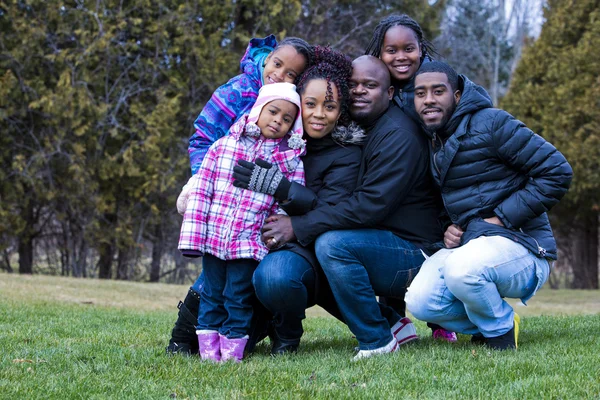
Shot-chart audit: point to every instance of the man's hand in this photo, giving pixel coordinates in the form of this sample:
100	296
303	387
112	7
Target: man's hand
184	195
452	236
277	231
494	220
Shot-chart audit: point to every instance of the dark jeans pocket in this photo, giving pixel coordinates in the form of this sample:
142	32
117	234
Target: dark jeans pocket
401	281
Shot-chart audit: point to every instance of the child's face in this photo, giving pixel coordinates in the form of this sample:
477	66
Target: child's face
276	118
401	53
283	65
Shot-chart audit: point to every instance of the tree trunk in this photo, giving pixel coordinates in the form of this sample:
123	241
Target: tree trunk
107	252
585	254
25	240
123	264
82	258
65	250
25	255
157	252
6	262
180	265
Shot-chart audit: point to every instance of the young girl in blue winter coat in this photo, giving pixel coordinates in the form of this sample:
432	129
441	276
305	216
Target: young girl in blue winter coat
222	223
265	61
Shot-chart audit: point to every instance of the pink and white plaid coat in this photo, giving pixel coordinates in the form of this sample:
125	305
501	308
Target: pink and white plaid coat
223	220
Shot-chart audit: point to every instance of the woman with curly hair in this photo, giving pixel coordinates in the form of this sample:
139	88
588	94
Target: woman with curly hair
289	279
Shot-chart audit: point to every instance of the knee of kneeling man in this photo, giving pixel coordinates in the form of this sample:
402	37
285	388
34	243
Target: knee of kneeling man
416	305
325	243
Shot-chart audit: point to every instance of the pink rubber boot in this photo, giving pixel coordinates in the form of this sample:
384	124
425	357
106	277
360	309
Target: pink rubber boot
233	349
209	345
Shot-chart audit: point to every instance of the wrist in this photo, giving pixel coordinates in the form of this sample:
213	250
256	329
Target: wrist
283	190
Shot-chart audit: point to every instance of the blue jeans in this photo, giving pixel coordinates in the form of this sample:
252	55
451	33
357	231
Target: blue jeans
462	289
197	286
260	317
361	264
226	297
284	282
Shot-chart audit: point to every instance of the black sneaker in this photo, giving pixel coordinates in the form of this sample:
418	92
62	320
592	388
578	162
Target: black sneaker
509	340
478	339
284	346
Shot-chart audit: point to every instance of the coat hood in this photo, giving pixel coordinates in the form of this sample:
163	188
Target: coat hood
473	98
268	93
253	61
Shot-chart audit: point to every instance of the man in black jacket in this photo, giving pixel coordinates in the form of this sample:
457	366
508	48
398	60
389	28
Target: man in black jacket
372	243
498	179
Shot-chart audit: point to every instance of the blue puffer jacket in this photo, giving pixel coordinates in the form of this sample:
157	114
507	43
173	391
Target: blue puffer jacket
488	164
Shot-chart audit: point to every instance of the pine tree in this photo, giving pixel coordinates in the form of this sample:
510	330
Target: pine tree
97	101
556	92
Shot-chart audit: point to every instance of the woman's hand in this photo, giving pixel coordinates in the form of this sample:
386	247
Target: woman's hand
277	231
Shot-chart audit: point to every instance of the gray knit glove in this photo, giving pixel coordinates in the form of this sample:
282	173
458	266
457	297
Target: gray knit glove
262	177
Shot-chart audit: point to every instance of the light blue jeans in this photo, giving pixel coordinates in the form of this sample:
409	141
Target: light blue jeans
462	289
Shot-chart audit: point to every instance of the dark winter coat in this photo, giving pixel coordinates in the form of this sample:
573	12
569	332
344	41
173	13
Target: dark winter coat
404	97
489	164
331	167
395	191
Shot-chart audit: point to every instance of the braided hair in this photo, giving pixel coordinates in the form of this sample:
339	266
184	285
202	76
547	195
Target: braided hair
374	46
333	67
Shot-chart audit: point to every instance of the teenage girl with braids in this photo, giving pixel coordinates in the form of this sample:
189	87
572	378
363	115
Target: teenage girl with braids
399	42
289	279
264	62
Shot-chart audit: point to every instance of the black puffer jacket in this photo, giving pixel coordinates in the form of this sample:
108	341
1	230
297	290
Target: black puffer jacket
488	164
331	165
395	191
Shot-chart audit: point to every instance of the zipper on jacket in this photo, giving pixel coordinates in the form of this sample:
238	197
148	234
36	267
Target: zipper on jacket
541	250
434	140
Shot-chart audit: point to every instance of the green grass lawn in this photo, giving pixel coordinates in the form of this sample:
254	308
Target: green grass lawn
64	338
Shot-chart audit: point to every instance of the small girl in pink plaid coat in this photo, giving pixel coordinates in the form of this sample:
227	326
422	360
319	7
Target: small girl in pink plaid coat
222	222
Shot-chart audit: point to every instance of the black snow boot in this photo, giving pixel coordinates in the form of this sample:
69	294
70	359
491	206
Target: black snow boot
183	336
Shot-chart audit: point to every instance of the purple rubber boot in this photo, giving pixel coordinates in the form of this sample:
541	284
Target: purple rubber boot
233	349
209	346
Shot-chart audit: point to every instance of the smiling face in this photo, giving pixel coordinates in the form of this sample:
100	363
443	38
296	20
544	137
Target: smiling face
283	65
370	90
276	118
320	112
401	53
434	99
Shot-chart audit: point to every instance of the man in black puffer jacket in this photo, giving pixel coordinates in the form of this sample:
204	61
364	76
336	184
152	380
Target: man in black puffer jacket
498	179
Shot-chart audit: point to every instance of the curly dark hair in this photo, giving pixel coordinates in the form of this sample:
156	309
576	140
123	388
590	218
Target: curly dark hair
332	66
374	46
